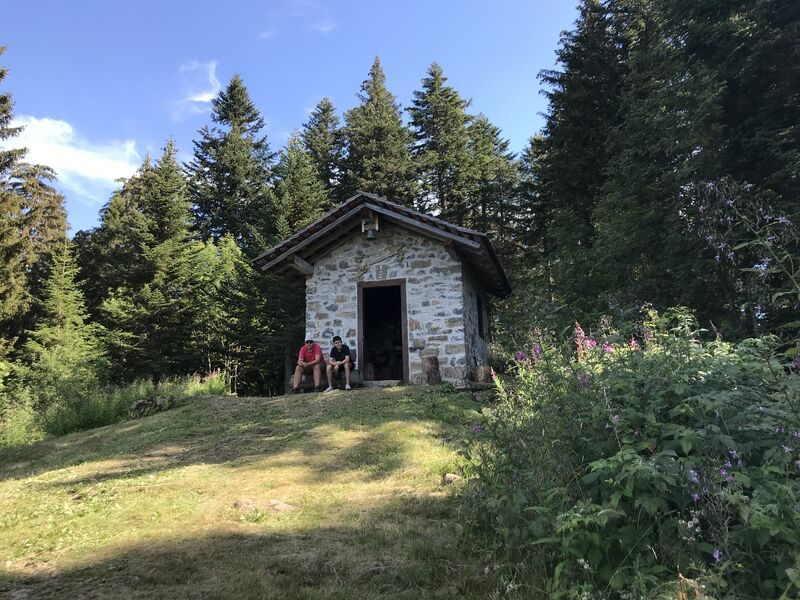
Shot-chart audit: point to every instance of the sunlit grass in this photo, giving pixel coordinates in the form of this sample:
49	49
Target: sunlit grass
182	504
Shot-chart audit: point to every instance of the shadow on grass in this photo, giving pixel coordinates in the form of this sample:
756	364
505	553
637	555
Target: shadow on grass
238	431
405	548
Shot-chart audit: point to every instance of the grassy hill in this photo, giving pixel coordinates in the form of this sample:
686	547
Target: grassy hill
193	502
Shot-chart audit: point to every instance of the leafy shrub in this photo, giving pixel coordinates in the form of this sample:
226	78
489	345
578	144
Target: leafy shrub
615	469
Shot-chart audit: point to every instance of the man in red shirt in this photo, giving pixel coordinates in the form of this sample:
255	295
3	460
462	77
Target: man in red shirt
309	360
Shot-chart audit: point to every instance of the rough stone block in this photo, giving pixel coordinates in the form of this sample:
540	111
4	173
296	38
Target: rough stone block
454	348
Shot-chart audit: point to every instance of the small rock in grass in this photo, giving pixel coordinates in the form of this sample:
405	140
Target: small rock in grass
449	478
245	504
279	506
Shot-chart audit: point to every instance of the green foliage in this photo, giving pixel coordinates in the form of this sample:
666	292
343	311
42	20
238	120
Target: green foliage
378	155
229	176
32	225
439	121
614	467
302	196
322	139
62	360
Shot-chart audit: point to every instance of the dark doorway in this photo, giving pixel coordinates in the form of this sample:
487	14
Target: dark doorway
383	331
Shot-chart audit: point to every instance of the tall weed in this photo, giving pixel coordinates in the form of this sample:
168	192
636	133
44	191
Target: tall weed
613	468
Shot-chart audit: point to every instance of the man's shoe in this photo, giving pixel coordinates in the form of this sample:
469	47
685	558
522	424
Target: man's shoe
318	389
294	391
329	390
347	387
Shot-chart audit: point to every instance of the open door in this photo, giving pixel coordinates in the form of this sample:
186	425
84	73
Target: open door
383	330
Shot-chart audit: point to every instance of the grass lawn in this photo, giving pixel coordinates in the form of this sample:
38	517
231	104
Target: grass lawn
187	503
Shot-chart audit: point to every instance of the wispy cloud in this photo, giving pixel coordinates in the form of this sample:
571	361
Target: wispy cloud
87	170
199	85
311	14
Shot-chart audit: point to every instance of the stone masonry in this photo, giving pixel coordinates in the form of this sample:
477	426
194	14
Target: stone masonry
438	288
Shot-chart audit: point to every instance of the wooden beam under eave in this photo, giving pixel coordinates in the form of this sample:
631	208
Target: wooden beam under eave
305	267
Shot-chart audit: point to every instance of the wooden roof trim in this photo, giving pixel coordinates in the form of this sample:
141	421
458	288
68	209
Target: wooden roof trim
306	241
423	227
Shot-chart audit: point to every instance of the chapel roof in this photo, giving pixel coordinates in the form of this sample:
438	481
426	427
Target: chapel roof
320	237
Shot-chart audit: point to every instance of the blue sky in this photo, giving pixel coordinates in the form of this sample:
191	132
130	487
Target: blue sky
99	84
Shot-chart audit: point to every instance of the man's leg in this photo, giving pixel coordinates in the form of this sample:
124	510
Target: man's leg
330	375
298	375
347	373
317	375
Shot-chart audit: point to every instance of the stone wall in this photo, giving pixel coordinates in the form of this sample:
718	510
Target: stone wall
434	296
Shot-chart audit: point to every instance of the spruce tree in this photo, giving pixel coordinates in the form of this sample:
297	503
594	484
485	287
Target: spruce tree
378	156
322	140
584	108
301	197
32	224
230	174
439	121
150	315
63	357
490	205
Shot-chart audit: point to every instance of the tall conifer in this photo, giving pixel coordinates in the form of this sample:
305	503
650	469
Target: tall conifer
439	121
378	156
322	139
229	176
301	195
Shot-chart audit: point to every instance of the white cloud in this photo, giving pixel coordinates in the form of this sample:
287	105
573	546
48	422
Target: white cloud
200	86
325	25
87	171
312	14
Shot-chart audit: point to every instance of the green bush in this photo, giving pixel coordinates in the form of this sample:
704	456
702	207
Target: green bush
617	468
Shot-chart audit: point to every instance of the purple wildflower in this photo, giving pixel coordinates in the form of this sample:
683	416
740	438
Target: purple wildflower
615	418
634	344
728	464
591	343
696	497
723	472
583	380
477	428
537	350
786	448
608	347
717	555
608	425
796	362
693	476
733	453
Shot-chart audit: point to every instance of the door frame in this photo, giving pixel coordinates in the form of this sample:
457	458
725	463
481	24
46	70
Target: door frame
362	350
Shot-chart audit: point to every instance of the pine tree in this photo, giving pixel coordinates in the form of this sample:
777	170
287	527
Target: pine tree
439	119
229	177
301	196
492	181
63	355
378	156
584	108
110	255
322	139
150	314
32	223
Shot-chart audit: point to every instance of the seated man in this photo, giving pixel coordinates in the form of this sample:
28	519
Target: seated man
339	361
309	360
